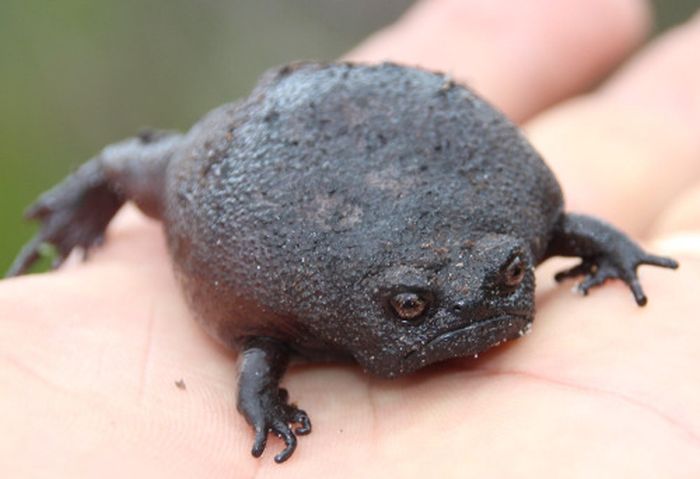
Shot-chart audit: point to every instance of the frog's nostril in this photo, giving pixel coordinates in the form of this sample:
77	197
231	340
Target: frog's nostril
459	306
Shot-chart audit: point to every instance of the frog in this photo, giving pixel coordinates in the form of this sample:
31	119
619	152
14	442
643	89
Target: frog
380	214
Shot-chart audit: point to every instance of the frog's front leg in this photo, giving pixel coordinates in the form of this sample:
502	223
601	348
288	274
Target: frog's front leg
75	213
605	253
262	402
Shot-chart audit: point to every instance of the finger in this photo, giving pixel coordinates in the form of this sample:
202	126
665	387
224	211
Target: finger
683	214
624	152
665	78
522	56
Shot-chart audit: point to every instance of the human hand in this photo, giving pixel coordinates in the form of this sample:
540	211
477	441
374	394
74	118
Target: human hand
90	354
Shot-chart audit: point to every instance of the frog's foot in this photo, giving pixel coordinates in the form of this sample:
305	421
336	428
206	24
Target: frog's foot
605	252
273	414
74	214
598	270
262	402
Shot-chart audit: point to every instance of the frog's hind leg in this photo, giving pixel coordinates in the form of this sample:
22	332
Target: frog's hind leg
605	253
76	212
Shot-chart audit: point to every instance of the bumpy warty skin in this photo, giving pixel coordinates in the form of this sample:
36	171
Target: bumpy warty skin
291	214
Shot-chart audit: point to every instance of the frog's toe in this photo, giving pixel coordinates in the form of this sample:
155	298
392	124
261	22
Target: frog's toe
26	258
283	431
597	275
625	267
300	417
661	261
282	427
594	274
637	291
260	441
583	268
279	426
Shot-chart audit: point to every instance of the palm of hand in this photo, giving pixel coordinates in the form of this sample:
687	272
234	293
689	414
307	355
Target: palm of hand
91	356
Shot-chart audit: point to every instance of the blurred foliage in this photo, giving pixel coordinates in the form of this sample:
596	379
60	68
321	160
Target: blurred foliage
673	12
79	74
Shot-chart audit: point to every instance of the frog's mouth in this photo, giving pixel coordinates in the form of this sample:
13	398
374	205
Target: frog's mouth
470	339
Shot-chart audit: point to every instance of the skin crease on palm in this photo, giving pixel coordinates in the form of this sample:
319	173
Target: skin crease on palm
89	355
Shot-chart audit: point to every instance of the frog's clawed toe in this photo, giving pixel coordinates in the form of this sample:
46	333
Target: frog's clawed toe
75	214
278	419
597	270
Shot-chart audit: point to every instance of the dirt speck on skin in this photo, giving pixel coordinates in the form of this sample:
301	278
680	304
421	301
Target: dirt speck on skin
180	384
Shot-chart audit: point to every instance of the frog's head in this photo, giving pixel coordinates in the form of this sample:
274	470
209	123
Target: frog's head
445	303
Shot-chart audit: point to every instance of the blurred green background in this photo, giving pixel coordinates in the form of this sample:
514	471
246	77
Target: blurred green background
76	75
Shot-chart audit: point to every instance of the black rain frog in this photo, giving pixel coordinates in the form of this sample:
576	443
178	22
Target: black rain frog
380	214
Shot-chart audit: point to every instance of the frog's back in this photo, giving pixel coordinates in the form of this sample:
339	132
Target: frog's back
328	164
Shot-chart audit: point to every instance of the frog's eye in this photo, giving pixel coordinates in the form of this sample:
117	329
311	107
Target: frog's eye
409	306
514	271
